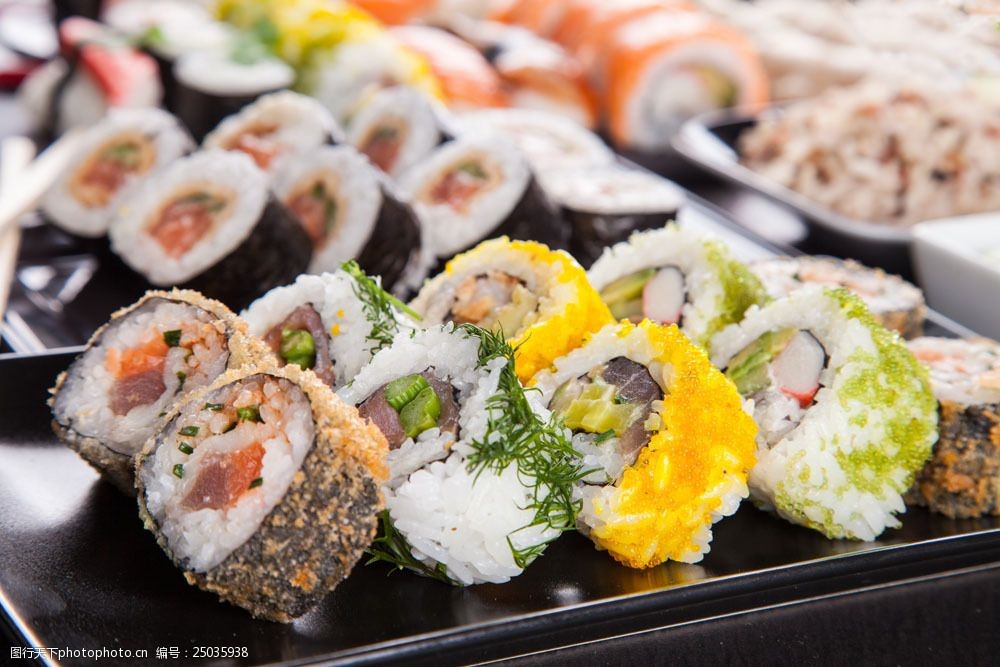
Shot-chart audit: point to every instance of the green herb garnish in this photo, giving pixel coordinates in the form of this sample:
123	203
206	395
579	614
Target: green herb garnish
185	447
256	482
620	400
182	378
179	471
606	435
152	37
211	203
189	431
248	414
214	407
391	547
172	338
378	307
229	428
298	347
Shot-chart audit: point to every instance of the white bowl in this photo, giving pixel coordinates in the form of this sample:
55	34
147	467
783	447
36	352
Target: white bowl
959	277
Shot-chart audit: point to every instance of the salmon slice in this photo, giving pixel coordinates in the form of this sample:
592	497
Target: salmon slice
223	478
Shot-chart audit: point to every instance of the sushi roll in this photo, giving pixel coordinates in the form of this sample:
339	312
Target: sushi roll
396	129
962	478
135	368
547	140
665	68
846	414
897	304
349	211
604	205
276	127
674	276
212	85
478	187
331	324
263	489
480	479
208	222
663	434
112	157
539	298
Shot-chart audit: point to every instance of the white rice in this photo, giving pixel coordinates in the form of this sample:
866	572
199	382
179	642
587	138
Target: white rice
205	537
404	106
445	230
230	170
613	190
84	401
169	142
447	514
301	124
340	309
798	467
358	196
215	73
964	371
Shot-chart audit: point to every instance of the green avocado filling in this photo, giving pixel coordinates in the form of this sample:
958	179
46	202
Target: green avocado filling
748	369
624	296
298	347
720	87
473	169
595	409
415	401
126	154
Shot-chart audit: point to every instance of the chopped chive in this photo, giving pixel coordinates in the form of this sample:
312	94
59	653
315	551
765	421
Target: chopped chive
190	430
248	414
257	482
185	447
229	428
172	338
182	376
179	471
161	414
606	435
214	407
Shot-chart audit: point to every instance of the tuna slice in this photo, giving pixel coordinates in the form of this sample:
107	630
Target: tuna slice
385	417
305	318
137	389
224	477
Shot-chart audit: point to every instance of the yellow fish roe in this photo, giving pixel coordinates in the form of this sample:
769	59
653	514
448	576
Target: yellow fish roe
704	450
570	307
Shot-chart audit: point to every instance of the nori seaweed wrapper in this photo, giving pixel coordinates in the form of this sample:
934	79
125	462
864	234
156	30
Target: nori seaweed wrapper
201	112
394	241
591	233
308	543
274	253
962	478
534	218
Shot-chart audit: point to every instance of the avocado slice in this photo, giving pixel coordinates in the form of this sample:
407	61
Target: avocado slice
748	369
596	411
624	296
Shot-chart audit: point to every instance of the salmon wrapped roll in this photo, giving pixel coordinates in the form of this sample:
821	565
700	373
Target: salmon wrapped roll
664	434
264	489
136	367
540	299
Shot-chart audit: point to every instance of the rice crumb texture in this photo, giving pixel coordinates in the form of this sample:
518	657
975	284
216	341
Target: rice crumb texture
843	468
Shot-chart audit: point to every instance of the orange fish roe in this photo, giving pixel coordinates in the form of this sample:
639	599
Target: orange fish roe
662	507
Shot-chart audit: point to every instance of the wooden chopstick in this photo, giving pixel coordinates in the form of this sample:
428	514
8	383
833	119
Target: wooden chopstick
16	154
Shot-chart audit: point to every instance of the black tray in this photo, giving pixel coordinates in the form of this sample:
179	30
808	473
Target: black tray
710	141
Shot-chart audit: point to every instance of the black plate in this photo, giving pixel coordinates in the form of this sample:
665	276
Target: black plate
78	571
710	141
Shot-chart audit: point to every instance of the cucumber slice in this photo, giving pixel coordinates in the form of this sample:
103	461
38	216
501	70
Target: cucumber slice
400	392
421	413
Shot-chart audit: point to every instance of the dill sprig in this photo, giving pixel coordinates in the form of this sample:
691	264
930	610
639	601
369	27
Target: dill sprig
391	547
545	459
379	307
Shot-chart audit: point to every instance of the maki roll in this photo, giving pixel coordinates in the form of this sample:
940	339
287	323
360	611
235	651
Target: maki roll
548	140
962	478
663	434
895	303
349	212
331	324
673	276
846	414
480	479
113	155
207	222
604	205
477	187
263	489
211	85
538	298
276	126
135	368
396	129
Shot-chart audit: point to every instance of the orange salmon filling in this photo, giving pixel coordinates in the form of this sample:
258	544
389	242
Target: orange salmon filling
223	478
187	219
107	170
316	208
460	185
258	143
382	145
138	374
